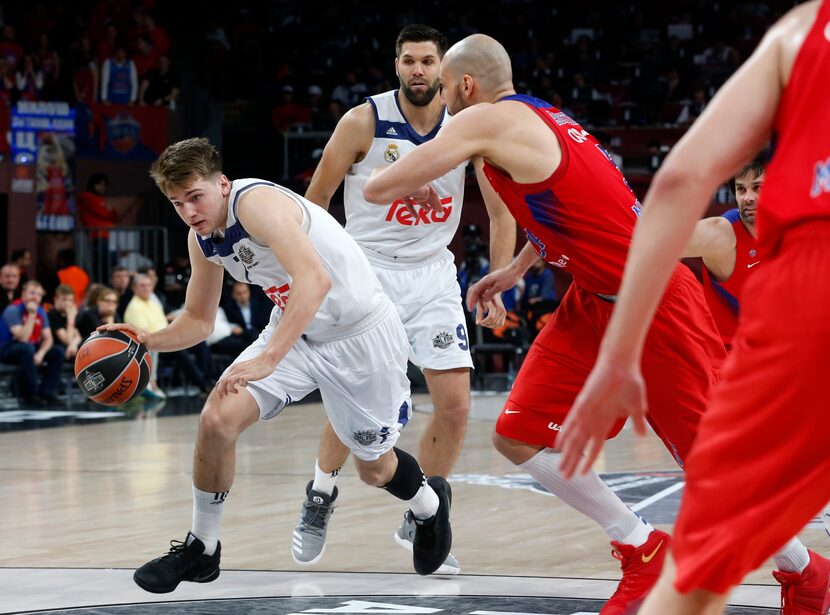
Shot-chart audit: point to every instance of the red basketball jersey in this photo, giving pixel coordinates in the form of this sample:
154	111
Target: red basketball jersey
797	185
723	297
582	216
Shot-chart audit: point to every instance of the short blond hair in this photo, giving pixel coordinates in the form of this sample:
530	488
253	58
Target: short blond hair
184	162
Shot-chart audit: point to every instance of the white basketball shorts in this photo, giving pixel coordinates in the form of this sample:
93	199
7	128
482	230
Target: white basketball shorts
428	299
361	378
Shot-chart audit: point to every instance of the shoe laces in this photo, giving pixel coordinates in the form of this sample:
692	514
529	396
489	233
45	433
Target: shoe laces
315	516
176	547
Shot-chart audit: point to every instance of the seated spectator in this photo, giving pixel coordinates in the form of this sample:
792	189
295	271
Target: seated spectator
176	277
22	257
244	322
101	309
70	274
195	361
249	314
145	311
26	341
9	284
62	320
289	112
539	298
84	70
121	282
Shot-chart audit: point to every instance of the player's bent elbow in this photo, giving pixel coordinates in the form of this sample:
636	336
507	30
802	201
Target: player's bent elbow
372	194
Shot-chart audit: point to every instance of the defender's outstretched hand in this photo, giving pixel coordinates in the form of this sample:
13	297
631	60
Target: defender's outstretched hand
612	391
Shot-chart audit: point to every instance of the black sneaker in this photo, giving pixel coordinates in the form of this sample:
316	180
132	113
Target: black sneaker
184	562
433	536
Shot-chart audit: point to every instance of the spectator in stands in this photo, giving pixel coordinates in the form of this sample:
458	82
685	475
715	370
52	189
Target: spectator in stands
121	282
119	79
289	113
9	284
145	58
247	320
156	33
133	260
10	48
63	321
102	309
98	217
28	79
539	296
106	45
350	93
50	65
692	109
26	341
176	277
316	107
22	257
146	313
8	92
71	274
85	74
160	86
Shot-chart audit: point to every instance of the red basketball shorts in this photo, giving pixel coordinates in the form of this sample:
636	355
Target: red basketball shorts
760	469
681	360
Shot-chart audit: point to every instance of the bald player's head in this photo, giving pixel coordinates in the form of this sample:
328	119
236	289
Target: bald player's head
485	60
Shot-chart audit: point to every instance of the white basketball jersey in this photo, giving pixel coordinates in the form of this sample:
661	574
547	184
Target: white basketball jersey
391	231
355	291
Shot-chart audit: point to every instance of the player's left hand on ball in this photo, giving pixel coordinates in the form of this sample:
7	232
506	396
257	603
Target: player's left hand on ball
238	376
613	391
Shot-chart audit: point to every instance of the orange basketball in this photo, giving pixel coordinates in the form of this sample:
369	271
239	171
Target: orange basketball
112	367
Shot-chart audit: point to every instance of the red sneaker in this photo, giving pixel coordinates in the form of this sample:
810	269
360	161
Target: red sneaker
807	593
641	568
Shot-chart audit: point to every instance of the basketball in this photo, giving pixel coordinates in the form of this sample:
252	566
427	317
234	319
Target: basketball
112	367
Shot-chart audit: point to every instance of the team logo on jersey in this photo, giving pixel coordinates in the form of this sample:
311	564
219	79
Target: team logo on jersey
391	154
443	340
752	252
279	295
246	255
399	212
365	436
821	179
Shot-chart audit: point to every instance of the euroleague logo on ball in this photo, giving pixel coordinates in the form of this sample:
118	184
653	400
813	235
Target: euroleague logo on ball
93	382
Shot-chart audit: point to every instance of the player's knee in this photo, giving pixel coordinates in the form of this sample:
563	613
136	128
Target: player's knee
503	445
453	418
218	423
373	474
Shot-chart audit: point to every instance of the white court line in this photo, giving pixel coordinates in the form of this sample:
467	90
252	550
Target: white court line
658	496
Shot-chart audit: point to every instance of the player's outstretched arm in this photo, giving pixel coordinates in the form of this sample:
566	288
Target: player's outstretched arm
277	219
727	134
502	245
349	143
466	136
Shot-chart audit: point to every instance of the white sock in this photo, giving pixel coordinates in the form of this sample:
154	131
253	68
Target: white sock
590	496
324	481
793	557
207	515
425	502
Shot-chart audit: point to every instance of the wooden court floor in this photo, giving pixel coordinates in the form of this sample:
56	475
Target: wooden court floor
112	494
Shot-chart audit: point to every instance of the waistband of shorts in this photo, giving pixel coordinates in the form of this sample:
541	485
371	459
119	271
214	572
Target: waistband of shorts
397	262
361	326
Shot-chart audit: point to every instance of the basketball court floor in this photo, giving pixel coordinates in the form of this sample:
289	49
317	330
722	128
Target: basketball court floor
87	497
